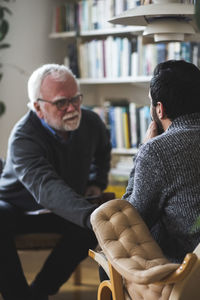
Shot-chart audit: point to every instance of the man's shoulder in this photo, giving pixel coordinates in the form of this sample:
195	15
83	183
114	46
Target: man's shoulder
86	111
26	125
155	145
90	116
165	144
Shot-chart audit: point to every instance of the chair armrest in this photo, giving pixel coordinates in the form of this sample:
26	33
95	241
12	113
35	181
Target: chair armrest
101	259
182	271
113	286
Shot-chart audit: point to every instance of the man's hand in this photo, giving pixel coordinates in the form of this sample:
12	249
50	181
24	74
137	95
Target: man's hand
93	190
152	131
96	197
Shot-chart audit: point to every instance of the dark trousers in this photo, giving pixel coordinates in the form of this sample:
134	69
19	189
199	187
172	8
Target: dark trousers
62	261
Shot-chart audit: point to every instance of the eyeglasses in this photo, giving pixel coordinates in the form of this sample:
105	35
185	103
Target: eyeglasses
62	104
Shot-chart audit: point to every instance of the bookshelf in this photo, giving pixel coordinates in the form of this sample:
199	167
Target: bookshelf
98	32
115	61
123	151
87	37
96	85
62	35
143	80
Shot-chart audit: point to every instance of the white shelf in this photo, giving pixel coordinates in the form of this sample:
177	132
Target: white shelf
116	30
61	35
98	32
118	80
122	151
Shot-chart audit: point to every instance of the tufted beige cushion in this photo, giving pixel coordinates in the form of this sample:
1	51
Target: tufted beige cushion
129	246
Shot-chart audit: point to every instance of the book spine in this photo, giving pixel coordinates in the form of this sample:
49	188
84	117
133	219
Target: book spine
111	114
133	126
126	132
119	127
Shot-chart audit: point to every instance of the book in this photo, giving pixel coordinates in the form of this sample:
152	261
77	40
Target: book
126	127
94	15
125	61
161	52
144	116
134	63
119	127
112	127
186	51
108	56
133	125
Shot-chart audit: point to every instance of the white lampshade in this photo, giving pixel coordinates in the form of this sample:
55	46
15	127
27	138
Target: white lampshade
165	20
168	29
164	1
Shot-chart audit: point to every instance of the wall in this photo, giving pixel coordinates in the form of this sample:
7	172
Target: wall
30	25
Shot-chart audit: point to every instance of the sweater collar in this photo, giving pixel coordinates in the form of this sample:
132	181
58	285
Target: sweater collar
186	120
53	132
48	127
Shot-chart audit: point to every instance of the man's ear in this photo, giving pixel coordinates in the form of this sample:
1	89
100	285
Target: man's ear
38	110
160	110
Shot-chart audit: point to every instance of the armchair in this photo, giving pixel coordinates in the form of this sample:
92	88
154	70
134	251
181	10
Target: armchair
135	263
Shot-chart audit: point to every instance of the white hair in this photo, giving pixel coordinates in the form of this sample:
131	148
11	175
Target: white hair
59	72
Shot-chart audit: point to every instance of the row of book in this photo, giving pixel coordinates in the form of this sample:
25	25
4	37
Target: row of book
92	14
127	123
152	54
114	57
65	17
111	57
88	14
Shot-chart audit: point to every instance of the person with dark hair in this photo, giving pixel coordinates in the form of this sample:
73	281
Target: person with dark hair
58	159
164	184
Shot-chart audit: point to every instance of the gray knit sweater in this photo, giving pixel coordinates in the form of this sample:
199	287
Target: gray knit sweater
164	186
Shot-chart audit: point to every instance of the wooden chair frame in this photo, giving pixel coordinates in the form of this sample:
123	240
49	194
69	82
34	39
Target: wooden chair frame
114	286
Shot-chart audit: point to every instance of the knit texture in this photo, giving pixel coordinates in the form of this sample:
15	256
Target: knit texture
164	186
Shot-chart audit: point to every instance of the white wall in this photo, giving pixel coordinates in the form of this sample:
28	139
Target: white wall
30	25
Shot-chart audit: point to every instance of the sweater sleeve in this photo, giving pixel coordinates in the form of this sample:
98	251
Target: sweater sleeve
38	176
146	183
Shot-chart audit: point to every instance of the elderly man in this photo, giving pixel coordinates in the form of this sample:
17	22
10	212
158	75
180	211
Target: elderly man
58	157
164	184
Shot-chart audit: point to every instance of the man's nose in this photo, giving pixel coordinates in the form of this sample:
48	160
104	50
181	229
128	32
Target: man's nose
70	108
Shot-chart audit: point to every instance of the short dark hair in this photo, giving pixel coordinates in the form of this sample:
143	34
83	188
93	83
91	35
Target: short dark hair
176	83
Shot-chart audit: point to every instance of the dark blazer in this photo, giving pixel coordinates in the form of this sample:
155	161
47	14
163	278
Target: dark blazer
42	170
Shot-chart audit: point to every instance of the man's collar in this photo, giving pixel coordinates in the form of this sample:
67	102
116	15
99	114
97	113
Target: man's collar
48	127
58	137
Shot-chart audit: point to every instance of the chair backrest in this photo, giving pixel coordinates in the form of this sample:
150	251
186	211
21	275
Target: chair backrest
130	248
